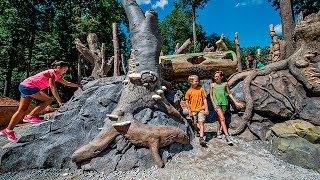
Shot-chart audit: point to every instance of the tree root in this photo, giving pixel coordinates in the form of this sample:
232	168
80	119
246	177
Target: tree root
247	93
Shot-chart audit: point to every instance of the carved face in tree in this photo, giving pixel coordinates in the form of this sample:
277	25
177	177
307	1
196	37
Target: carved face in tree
305	62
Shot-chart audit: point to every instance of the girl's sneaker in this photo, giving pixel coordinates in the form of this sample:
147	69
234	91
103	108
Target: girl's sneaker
10	135
229	141
219	134
32	119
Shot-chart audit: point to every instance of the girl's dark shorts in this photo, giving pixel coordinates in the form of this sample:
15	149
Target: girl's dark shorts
26	91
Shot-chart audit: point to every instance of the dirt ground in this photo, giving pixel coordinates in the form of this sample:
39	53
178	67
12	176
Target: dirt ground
5	101
243	161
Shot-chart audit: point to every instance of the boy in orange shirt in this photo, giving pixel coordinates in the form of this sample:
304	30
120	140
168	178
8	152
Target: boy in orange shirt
197	105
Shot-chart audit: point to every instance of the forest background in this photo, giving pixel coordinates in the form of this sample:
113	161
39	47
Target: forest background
34	33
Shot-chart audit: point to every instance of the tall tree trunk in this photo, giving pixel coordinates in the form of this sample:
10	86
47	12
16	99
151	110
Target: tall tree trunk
238	52
33	34
116	71
287	20
194	28
11	64
79	67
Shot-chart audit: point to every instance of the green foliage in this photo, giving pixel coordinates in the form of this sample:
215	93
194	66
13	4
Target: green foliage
183	86
197	4
306	7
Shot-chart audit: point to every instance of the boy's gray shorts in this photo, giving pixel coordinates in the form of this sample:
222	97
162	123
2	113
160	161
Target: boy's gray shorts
198	116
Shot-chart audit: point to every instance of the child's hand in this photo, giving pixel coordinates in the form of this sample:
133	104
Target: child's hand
80	87
206	112
239	105
61	104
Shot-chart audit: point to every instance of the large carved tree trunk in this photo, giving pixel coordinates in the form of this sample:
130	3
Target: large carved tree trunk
288	26
141	89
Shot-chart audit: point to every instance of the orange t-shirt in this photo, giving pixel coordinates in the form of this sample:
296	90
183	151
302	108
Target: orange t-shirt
195	97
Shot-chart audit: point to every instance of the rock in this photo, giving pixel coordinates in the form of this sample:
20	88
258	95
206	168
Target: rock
297	142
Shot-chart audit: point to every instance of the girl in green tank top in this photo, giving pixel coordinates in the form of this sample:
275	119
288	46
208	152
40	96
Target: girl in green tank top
218	95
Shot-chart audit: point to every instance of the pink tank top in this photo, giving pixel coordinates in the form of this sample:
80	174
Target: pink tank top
40	80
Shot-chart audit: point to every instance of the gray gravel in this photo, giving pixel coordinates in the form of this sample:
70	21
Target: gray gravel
245	160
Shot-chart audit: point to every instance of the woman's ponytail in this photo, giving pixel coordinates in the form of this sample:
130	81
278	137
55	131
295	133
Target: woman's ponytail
58	63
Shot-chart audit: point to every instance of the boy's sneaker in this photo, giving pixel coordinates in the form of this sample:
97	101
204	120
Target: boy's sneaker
32	119
10	135
202	142
219	134
229	141
196	133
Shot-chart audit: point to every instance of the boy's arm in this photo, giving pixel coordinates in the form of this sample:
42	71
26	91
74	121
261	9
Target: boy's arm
239	105
187	97
206	111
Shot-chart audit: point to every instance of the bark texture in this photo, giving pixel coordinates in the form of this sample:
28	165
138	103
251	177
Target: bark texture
179	67
95	56
287	19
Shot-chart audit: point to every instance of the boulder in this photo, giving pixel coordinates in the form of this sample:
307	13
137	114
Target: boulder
297	142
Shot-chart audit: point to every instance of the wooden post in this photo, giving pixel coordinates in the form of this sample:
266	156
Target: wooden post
79	67
116	71
184	46
238	52
123	66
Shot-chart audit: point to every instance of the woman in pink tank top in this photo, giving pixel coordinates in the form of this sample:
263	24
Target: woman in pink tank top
32	88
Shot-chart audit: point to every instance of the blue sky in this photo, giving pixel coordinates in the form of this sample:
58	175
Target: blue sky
250	18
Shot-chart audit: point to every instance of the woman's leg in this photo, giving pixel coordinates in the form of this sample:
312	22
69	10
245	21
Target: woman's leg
46	100
22	110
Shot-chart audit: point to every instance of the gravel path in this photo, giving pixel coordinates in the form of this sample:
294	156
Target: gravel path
244	160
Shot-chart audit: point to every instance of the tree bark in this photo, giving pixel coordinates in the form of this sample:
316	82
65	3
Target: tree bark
238	52
123	65
195	43
182	49
116	71
179	67
287	19
95	56
79	67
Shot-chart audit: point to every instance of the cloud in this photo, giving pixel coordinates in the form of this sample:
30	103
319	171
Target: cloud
143	2
278	29
160	4
248	2
240	4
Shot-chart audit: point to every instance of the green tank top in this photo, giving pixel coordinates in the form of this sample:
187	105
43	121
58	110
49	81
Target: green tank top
220	94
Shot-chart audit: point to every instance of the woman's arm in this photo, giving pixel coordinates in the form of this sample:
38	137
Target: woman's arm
54	89
211	96
67	83
239	105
